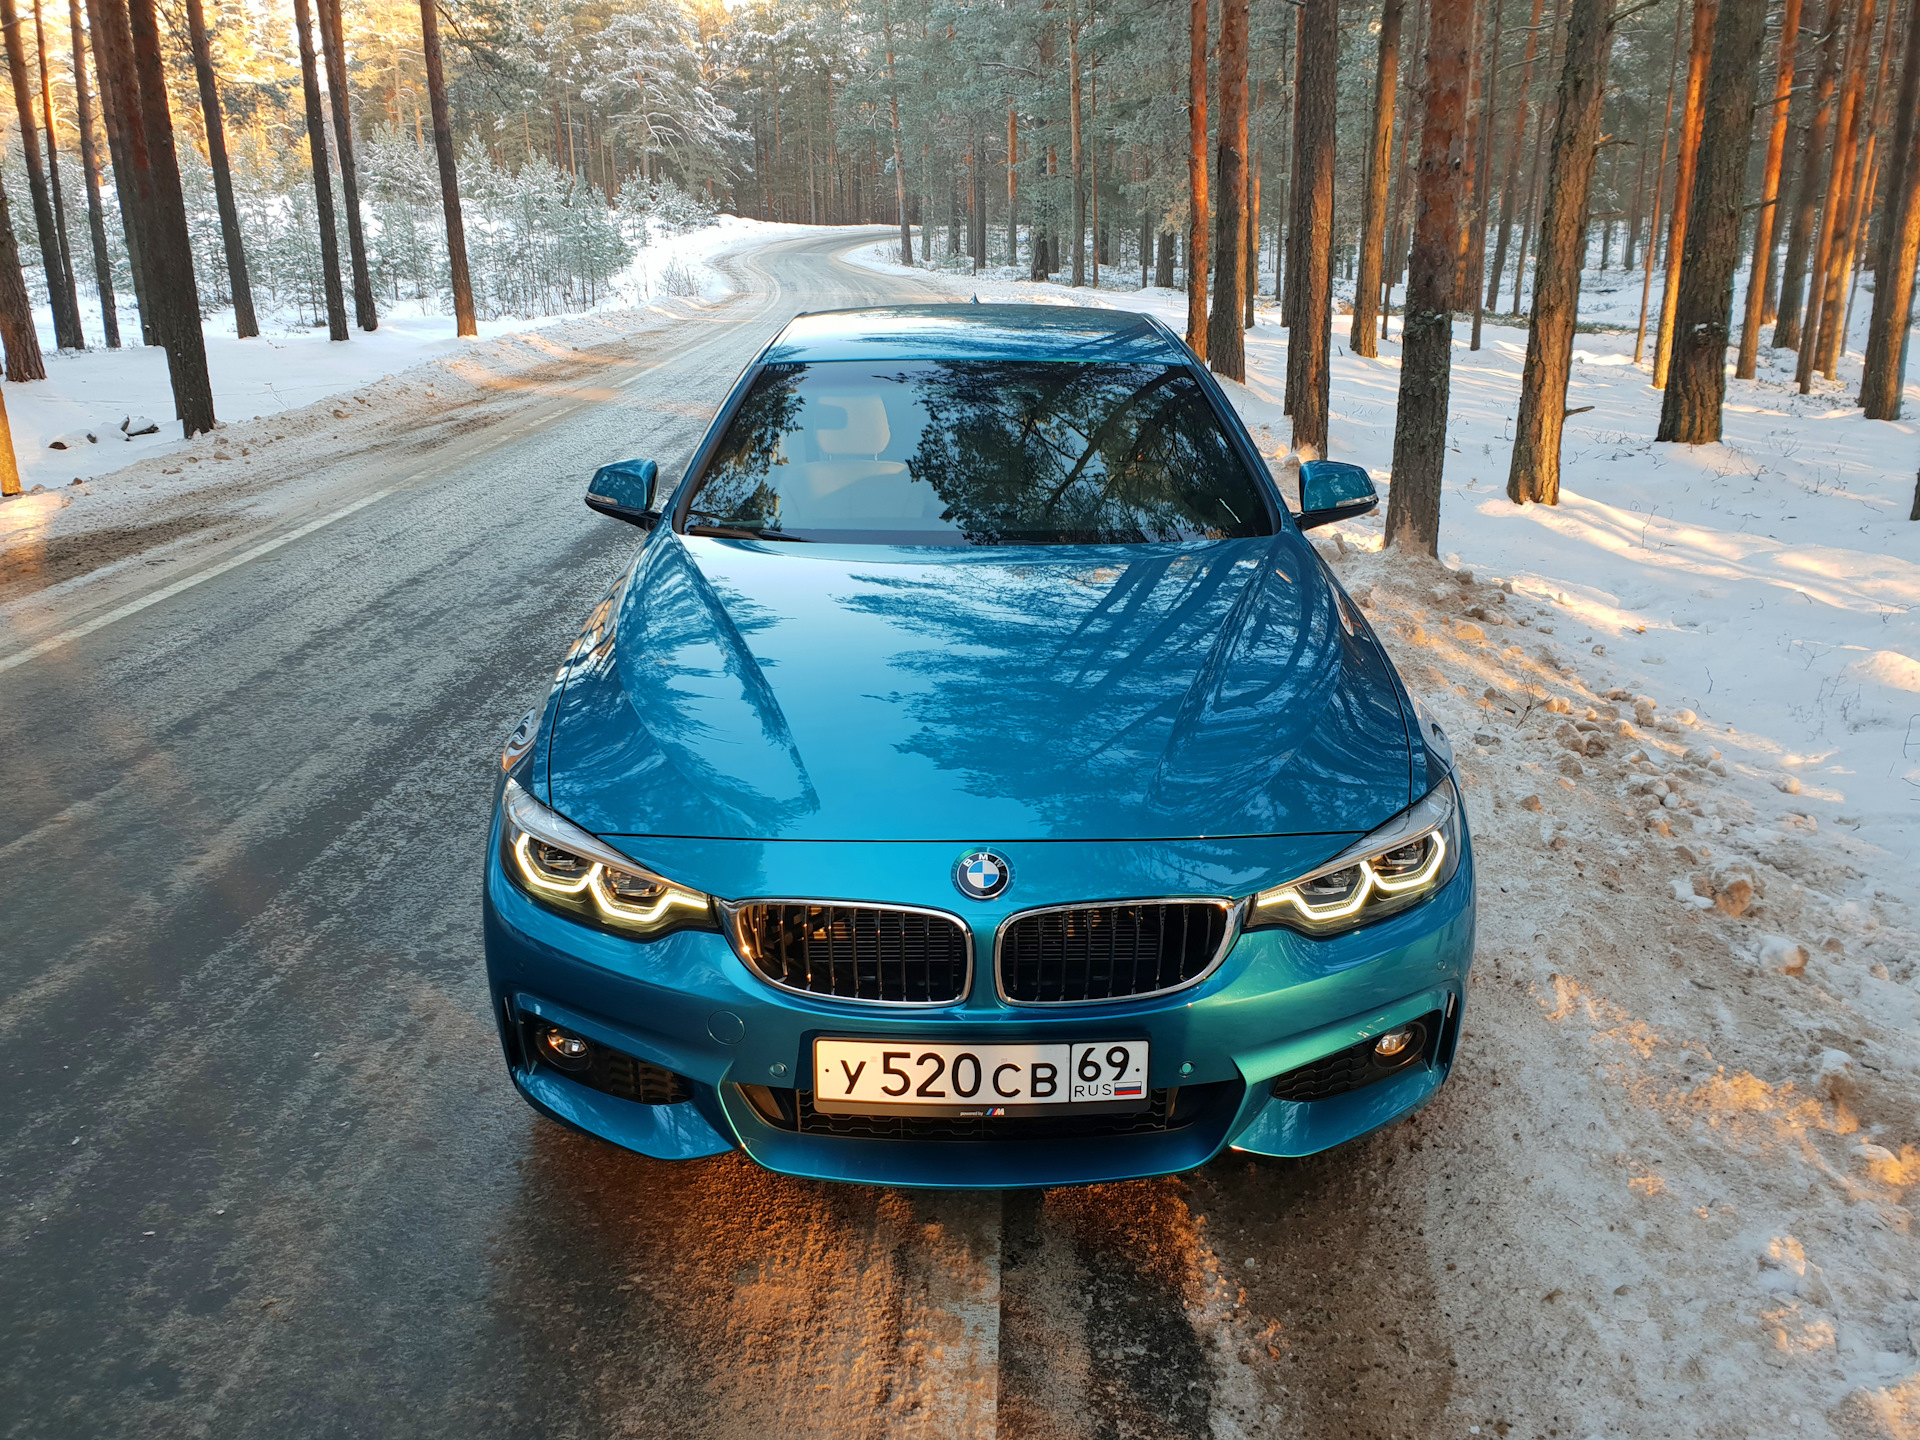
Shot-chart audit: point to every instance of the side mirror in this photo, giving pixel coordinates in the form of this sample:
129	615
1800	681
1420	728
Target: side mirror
1333	490
624	490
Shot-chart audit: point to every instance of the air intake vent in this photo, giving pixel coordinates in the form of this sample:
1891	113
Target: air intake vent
1085	954
880	954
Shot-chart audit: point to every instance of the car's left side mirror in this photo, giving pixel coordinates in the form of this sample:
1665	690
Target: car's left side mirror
625	491
1333	490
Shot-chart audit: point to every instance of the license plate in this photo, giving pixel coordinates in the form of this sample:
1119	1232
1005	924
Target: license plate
898	1077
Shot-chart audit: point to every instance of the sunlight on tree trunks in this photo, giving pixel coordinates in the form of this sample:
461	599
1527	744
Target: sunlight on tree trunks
1310	328
1883	374
1426	355
1535	472
333	47
1760	273
1373	213
322	176
1811	182
1697	375
1699	53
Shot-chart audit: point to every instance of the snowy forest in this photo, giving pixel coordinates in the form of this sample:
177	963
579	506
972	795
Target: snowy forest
302	161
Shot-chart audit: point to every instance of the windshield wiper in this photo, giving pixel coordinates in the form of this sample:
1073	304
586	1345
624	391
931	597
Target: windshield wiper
744	532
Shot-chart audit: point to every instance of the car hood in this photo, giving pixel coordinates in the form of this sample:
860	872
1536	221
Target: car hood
736	689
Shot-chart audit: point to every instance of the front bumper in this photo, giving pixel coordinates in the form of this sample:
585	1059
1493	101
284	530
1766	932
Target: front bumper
687	1004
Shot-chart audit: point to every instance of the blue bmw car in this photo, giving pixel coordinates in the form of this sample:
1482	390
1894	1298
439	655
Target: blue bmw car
977	779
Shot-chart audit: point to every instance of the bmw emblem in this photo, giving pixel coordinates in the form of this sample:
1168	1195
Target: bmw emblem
982	875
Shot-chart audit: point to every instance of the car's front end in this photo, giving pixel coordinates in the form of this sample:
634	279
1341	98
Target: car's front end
1008	865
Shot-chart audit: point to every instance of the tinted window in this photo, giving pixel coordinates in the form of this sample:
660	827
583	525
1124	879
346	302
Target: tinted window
977	452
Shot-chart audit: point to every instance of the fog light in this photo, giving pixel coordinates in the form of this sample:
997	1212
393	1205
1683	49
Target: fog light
1394	1043
565	1049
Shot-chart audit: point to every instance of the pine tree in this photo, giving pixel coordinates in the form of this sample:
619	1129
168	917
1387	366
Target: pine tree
1198	218
1759	275
70	289
1310	329
322	177
239	284
1823	282
66	319
90	171
1882	377
1426	356
333	47
1812	181
1516	148
1705	12
17	333
1226	343
1697	375
1373	214
1579	101
464	323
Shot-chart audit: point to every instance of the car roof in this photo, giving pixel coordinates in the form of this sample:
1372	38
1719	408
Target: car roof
977	332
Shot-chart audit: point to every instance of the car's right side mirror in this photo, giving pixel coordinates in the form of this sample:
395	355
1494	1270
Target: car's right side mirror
1333	490
624	490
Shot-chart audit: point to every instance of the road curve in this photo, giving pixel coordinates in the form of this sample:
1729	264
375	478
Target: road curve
263	1170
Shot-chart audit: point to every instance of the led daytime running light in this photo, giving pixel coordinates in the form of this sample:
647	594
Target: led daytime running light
528	823
1370	881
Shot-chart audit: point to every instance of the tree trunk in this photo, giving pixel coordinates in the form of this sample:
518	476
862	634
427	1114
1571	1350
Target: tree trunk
1013	185
1373	208
333	47
53	178
1697	376
1405	172
1426	363
1483	182
90	170
123	188
1296	213
21	340
1226	339
9	465
1704	14
322	177
899	164
1814	165
126	50
1251	250
450	177
66	319
1659	186
1763	225
1198	220
1823	284
1163	261
1516	148
1535	473
1881	376
1311	331
1862	119
1541	136
1074	148
243	317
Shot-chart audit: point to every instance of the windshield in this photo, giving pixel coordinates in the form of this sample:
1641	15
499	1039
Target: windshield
977	452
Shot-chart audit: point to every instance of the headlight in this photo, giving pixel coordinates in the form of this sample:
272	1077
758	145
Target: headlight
561	866
1393	869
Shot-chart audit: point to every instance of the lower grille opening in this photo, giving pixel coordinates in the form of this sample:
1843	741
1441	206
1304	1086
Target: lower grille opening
601	1067
1358	1066
1167	1111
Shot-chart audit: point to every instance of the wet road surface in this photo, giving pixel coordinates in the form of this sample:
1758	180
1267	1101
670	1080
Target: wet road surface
263	1172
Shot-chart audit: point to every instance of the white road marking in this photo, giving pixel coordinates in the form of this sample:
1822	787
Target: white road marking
167	592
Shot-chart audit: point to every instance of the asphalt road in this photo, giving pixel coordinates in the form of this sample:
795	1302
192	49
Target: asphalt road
261	1168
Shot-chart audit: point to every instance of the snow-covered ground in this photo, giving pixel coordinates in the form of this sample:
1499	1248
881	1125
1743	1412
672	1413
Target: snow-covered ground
285	368
1682	1149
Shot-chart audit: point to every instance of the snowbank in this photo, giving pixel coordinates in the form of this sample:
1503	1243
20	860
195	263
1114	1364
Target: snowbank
92	392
